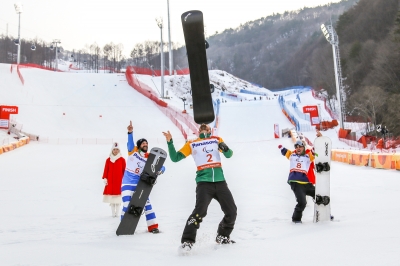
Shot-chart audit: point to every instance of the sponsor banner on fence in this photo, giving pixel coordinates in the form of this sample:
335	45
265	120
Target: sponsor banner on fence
3	123
340	156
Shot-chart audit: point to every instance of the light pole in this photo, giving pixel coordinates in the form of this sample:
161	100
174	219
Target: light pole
171	59
18	9
333	39
160	25
184	104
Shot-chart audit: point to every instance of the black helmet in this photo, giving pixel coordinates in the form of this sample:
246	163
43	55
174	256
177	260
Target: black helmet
140	141
299	143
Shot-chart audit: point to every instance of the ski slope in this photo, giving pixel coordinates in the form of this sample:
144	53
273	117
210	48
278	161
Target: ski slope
51	194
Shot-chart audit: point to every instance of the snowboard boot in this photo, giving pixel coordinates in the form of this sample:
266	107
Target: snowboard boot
319	167
322	167
326	200
187	246
296	222
155	231
318	199
220	239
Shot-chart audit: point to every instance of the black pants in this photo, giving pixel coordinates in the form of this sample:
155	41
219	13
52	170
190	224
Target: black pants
301	191
205	192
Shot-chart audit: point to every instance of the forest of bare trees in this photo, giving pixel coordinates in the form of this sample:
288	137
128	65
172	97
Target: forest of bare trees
91	57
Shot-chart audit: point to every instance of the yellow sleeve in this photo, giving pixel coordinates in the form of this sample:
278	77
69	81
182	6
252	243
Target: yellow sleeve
310	154
288	153
135	149
186	149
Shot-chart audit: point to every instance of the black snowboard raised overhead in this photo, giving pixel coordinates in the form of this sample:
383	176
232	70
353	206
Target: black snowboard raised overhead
147	180
193	30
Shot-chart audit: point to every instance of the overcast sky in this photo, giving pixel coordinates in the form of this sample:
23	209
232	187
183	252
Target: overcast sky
77	23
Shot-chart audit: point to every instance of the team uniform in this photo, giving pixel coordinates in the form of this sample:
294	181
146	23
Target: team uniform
134	166
299	180
211	184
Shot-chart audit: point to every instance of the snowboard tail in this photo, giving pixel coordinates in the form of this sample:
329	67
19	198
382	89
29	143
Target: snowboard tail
193	30
139	198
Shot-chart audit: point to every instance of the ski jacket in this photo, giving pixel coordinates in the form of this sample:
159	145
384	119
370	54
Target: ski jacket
299	165
206	155
113	172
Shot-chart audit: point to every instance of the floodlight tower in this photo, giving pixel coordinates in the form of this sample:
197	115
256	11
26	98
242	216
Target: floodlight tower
171	59
18	9
160	25
331	36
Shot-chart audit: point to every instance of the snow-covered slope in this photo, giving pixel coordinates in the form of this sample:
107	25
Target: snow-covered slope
51	195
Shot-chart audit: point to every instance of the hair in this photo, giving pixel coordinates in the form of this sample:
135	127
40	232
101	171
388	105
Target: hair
203	127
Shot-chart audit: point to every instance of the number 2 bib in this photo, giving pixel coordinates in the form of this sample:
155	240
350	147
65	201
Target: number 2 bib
206	154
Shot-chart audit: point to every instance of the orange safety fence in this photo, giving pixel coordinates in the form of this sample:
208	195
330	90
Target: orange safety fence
360	159
396	158
375	160
383	161
325	125
14	145
340	156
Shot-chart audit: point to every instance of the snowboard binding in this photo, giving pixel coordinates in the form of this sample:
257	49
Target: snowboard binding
322	200
136	211
322	167
145	177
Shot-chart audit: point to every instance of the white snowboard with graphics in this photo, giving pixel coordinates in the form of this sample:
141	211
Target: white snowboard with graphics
322	207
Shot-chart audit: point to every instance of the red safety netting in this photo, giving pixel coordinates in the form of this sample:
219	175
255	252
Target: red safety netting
39	66
148	71
331	113
183	121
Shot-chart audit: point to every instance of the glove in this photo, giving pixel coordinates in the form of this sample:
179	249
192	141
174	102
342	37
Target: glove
105	181
280	146
162	170
222	146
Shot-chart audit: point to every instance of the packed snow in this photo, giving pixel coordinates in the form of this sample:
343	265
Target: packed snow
51	194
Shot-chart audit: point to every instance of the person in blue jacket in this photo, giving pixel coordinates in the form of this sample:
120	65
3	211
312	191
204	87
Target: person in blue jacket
137	157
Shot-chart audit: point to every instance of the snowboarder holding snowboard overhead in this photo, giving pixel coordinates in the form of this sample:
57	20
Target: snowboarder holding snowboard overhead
210	181
300	161
137	157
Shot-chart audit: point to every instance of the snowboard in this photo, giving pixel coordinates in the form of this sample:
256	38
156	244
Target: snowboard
322	207
193	30
148	178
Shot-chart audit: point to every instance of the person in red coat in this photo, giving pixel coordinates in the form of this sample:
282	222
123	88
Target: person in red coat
112	177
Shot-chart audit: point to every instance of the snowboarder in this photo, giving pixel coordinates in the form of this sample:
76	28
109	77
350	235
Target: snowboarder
210	181
298	180
137	156
112	178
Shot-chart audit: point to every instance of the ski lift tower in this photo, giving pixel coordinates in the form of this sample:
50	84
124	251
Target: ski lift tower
55	42
331	36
